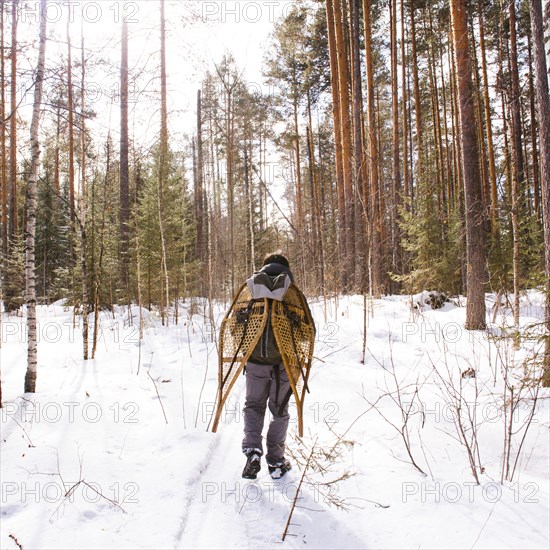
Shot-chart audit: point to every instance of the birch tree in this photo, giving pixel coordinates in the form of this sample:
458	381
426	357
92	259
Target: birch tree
30	277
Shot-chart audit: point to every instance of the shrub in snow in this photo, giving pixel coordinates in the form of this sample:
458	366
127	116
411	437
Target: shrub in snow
433	299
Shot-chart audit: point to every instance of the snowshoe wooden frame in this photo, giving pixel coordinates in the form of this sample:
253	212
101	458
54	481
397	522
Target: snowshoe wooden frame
241	330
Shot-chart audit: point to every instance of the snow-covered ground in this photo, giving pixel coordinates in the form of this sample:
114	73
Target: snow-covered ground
115	452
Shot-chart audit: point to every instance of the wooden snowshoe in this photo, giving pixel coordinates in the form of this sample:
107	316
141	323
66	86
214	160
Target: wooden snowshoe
241	330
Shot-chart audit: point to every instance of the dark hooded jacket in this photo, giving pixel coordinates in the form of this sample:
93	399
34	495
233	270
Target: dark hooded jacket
271	282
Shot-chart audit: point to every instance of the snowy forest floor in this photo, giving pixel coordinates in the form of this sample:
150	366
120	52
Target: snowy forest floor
115	452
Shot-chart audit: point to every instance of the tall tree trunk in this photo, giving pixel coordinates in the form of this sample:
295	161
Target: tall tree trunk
85	297
446	131
70	114
335	87
298	191
83	156
230	188
458	185
474	214
533	116
437	144
396	172
30	277
543	118
199	194
163	161
98	278
3	181
57	172
404	100
229	82
345	137
488	129
250	211
518	170
417	101
373	195
13	225
315	211
124	167
314	238
358	148
83	203
479	113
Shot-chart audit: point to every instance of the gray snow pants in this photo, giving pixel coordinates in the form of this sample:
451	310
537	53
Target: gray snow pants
263	387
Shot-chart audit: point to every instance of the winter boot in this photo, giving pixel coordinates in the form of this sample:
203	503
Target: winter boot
279	469
253	463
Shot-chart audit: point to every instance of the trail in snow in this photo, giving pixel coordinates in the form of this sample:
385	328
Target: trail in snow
181	486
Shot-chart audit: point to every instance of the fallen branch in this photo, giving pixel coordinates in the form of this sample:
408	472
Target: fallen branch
158	395
14	538
296	496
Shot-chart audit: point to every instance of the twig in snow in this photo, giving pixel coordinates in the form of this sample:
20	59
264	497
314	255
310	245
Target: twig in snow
484	525
296	496
160	400
73	487
14	538
376	503
31	444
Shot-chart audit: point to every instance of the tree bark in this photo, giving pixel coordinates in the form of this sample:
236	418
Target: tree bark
417	101
404	99
30	276
124	167
488	129
543	118
13	225
199	198
83	205
83	157
345	137
396	172
298	191
70	114
163	160
518	170
3	181
474	214
534	152
373	195
335	87
358	149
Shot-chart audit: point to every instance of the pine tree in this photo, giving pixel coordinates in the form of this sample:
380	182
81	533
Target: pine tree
474	214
